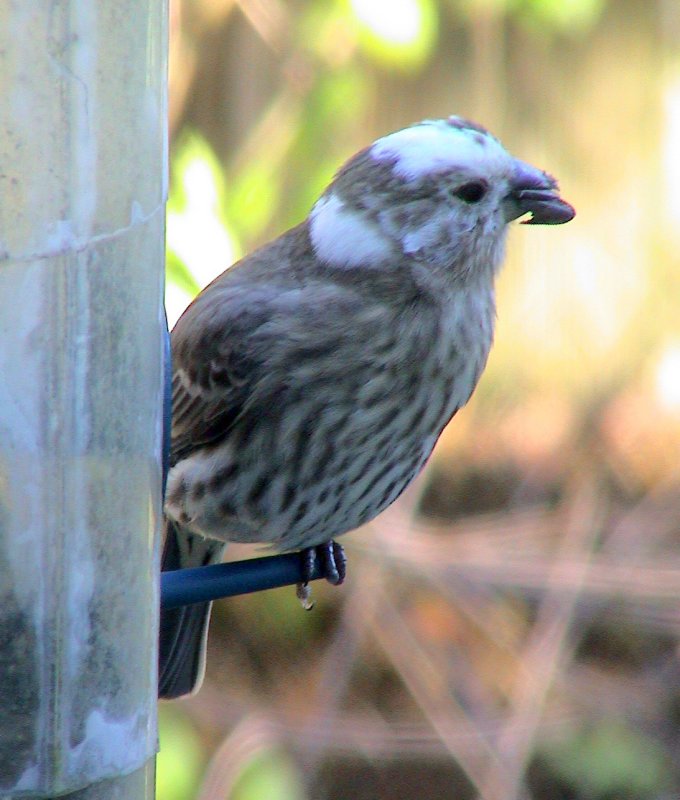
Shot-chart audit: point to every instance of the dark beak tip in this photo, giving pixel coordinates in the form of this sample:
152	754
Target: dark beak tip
555	215
554	212
545	206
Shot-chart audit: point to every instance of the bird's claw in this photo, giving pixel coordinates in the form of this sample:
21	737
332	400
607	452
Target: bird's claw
332	563
304	595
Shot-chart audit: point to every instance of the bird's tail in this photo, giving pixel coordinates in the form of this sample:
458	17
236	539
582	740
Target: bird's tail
184	631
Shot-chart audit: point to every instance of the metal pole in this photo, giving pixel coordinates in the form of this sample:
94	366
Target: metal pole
82	192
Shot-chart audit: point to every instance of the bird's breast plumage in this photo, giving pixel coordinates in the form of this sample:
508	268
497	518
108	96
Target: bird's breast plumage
344	424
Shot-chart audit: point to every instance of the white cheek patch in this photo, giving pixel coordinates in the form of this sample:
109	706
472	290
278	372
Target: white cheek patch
431	147
343	238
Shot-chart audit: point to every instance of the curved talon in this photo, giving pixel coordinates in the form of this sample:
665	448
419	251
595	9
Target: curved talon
304	593
332	566
335	563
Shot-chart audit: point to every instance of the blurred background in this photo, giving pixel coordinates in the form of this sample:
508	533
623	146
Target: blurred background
509	629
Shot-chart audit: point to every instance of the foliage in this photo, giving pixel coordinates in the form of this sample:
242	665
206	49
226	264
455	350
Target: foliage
610	760
568	16
180	760
269	775
200	243
397	34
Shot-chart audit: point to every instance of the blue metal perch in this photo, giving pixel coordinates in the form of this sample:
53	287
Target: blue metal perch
186	586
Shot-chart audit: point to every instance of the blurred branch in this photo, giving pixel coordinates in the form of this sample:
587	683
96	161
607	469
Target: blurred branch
379	739
189	23
425	680
335	667
270	18
487	552
544	652
272	136
253	734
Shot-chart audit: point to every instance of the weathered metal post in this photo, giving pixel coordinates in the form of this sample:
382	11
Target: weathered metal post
82	195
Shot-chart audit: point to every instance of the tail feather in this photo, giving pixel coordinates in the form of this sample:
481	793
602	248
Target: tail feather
184	631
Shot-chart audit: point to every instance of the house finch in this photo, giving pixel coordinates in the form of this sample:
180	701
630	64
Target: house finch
313	378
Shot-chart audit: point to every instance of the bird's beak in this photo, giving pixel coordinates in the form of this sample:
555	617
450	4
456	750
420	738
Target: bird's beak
535	192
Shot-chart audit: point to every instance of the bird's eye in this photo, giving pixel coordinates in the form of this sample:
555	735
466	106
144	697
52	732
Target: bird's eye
471	192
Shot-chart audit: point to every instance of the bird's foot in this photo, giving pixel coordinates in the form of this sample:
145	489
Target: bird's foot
332	562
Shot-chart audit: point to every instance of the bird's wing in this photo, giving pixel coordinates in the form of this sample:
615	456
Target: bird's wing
237	344
215	368
247	347
198	420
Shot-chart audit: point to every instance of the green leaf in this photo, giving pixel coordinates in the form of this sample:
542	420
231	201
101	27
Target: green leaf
178	273
253	198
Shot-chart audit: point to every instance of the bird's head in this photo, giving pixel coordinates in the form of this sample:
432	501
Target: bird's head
440	193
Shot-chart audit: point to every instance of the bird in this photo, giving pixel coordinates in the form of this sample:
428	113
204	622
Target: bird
313	378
